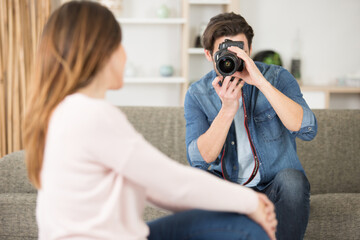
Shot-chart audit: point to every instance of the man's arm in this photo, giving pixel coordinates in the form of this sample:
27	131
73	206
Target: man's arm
212	141
289	111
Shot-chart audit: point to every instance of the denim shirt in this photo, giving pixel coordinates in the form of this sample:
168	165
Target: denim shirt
274	144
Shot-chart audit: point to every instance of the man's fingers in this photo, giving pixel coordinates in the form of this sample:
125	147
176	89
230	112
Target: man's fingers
216	85
237	74
226	81
239	84
239	52
216	81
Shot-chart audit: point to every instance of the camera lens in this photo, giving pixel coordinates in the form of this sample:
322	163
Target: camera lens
226	65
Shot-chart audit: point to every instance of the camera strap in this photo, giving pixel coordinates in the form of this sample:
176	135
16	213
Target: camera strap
256	160
226	175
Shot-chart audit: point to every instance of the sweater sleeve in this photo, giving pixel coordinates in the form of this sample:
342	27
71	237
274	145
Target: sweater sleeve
169	184
175	186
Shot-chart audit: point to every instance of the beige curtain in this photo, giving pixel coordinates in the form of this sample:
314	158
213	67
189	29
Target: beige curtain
21	22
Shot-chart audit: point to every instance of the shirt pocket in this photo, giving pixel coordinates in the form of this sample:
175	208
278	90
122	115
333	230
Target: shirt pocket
269	125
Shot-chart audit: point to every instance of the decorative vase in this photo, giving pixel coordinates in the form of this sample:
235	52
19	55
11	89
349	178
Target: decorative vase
163	11
166	71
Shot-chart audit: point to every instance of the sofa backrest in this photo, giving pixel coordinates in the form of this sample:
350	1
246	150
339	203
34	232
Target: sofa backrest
13	174
332	159
163	127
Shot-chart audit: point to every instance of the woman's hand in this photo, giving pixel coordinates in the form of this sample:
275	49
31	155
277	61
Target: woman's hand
265	215
229	92
251	73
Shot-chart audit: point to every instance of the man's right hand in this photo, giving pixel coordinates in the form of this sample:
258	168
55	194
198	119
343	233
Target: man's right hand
229	93
265	215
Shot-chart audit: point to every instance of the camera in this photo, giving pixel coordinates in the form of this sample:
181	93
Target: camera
227	62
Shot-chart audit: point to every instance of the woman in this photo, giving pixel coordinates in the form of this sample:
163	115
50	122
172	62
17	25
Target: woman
92	168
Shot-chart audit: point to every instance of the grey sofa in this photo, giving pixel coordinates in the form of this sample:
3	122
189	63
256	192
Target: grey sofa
331	162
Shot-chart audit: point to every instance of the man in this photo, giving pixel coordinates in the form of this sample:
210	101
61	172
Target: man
243	127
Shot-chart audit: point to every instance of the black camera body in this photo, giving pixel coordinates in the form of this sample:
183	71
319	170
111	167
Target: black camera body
227	62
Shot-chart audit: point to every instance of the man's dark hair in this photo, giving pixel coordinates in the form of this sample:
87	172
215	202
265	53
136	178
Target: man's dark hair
226	24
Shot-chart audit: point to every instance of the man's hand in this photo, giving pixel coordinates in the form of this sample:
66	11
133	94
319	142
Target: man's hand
289	112
265	215
229	93
251	74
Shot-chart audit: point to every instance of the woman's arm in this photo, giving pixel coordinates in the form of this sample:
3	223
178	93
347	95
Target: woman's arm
182	187
176	187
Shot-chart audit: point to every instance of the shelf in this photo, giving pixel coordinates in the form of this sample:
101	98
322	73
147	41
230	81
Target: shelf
326	91
330	88
151	20
154	80
196	51
209	2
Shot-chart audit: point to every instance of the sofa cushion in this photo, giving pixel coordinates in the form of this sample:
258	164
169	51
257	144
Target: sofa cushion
13	174
152	213
17	218
334	216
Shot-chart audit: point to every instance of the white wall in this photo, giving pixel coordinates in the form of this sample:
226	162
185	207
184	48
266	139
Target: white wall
330	43
330	34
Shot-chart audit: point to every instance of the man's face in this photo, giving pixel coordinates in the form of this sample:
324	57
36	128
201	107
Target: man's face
239	37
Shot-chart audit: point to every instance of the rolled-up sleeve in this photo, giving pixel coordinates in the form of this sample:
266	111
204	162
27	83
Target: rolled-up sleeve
194	156
196	125
289	86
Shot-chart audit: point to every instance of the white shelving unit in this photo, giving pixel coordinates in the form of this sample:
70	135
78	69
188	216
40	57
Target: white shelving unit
196	51
169	80
151	42
151	20
209	2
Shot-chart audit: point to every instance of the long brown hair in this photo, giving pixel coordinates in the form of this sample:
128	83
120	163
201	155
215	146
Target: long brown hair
76	43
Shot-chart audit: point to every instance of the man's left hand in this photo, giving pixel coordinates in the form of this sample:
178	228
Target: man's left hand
251	74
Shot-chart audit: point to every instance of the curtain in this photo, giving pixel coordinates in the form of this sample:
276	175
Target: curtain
21	23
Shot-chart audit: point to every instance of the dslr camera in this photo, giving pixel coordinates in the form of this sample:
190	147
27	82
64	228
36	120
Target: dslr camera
227	62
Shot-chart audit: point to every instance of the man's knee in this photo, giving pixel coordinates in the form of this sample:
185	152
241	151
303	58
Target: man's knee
293	184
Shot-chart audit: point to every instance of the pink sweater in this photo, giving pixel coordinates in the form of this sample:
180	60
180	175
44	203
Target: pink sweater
98	173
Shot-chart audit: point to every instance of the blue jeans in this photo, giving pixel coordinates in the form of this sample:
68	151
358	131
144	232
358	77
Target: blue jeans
205	225
290	192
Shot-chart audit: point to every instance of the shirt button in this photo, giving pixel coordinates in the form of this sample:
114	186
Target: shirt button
269	116
309	128
232	142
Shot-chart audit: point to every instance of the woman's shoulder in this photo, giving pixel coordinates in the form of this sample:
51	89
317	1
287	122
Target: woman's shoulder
83	104
78	110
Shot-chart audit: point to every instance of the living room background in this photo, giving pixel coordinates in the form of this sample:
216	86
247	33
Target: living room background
326	29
